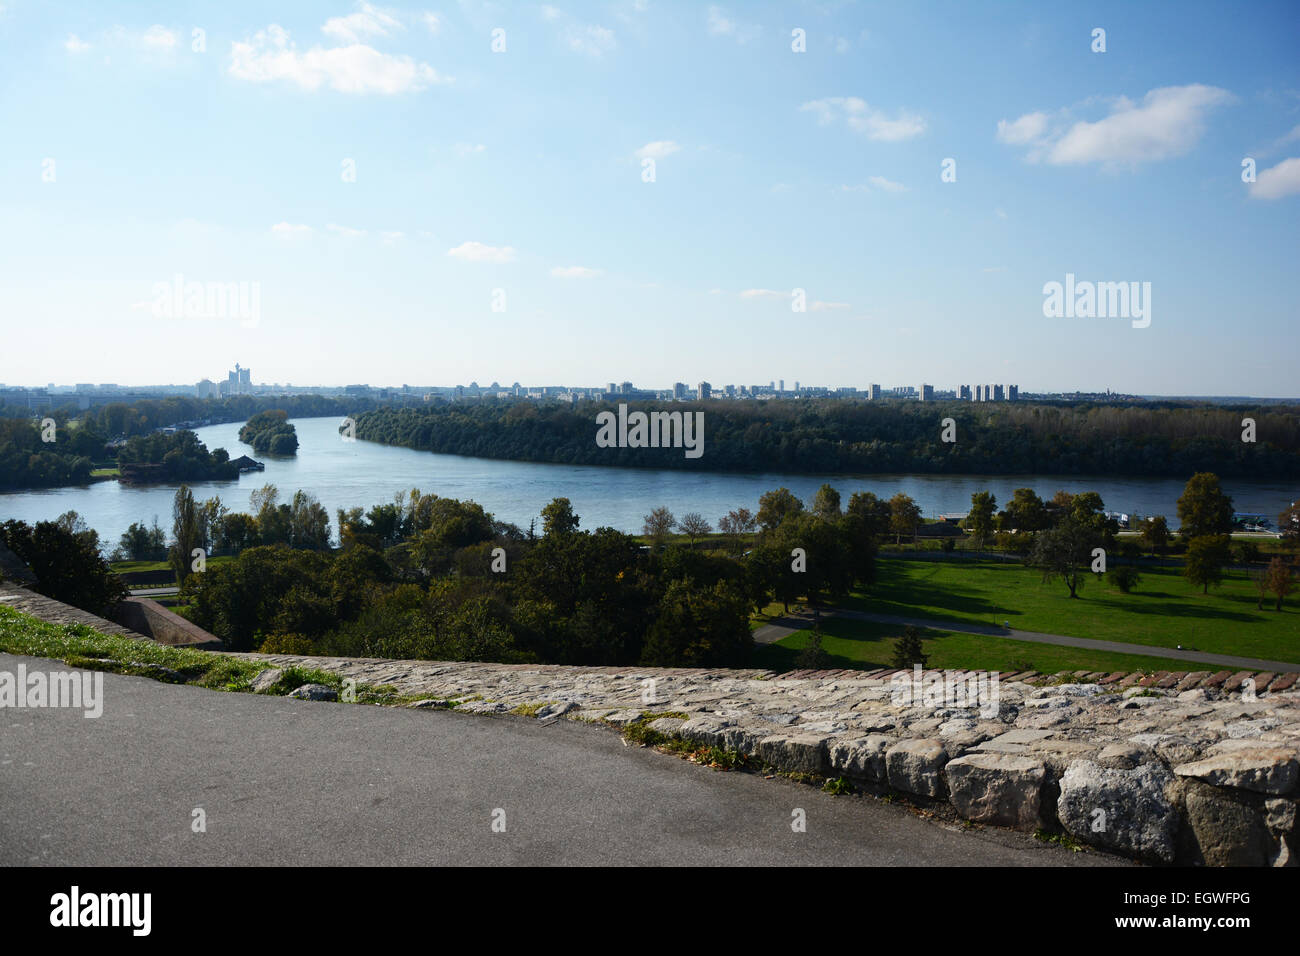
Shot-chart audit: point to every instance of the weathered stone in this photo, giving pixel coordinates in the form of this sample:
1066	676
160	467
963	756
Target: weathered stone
796	753
314	692
862	758
1125	810
916	766
1002	789
267	679
554	710
1227	825
1264	769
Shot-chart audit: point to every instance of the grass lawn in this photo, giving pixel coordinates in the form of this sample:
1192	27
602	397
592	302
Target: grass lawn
1163	610
867	645
121	567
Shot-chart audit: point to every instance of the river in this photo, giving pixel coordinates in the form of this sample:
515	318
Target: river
347	474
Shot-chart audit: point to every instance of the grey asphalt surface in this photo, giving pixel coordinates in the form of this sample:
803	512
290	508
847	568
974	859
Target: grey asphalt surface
299	783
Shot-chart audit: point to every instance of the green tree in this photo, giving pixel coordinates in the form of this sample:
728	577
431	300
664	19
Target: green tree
826	503
1203	508
1155	534
904	516
698	627
1064	552
1025	512
908	649
873	513
774	506
983	505
186	531
1280	580
558	517
66	562
1206	556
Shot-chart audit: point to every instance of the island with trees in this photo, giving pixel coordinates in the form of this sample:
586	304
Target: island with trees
270	433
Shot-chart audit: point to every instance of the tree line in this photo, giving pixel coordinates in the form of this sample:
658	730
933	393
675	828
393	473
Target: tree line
830	435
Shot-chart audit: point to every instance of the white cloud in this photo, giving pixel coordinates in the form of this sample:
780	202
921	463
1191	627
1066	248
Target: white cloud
479	252
1168	123
345	231
468	149
288	230
1279	181
591	40
75	45
880	182
819	306
1000	212
368	21
763	294
551	13
657	150
391	238
1028	128
719	24
574	272
270	56
158	37
874	124
432	21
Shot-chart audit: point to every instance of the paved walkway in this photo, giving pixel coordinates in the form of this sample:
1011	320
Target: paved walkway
785	626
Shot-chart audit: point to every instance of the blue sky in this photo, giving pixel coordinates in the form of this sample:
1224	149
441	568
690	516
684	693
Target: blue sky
129	157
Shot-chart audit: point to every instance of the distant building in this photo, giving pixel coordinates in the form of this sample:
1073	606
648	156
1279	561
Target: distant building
927	393
1013	393
681	391
998	393
703	391
873	392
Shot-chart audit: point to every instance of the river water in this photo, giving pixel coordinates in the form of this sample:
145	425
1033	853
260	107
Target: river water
347	474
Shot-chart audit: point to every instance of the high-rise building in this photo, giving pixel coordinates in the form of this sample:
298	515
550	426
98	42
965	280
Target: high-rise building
1013	393
927	393
963	392
681	391
703	390
873	392
998	393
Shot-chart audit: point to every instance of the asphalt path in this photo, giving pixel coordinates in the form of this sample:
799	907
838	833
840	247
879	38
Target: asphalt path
292	782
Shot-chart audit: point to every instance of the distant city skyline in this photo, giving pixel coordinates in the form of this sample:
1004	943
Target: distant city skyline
360	192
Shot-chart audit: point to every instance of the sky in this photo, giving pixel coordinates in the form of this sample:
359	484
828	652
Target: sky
833	193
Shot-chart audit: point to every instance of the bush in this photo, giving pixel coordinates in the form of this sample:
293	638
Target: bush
907	649
812	657
287	644
1125	577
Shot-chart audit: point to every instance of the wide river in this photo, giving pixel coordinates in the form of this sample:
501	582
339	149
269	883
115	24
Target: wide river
347	474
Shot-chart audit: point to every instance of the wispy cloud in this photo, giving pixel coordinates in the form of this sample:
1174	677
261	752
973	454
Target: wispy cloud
1168	122
75	45
289	231
481	252
658	149
368	21
719	23
859	116
345	231
271	57
574	272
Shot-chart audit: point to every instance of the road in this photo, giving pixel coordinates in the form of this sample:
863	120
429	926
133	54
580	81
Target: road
785	626
292	782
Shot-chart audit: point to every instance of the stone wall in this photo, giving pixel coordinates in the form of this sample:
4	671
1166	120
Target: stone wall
1165	767
151	619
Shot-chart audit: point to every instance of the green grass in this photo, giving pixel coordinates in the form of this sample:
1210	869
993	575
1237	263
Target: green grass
84	647
113	472
866	645
1162	611
122	567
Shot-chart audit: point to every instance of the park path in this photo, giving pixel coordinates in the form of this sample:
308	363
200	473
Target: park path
802	620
